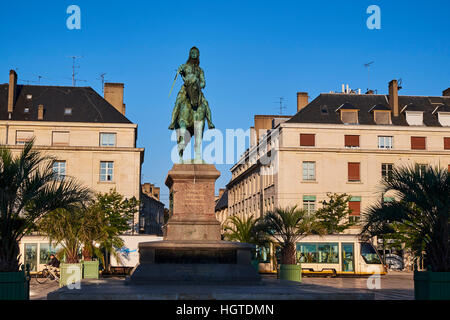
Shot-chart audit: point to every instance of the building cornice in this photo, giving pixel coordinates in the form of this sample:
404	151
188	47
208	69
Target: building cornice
66	124
319	126
78	148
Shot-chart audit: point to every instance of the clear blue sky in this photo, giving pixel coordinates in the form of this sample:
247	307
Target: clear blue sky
252	52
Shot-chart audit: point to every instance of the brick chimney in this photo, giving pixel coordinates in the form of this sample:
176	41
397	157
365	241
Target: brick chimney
114	95
302	100
12	90
41	112
393	97
446	92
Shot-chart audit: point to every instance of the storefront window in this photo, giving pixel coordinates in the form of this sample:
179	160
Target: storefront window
31	255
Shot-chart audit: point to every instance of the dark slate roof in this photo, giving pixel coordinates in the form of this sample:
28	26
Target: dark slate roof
413	107
87	105
222	202
380	107
442	108
347	106
314	111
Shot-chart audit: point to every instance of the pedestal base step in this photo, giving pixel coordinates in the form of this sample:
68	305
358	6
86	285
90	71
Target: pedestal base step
176	274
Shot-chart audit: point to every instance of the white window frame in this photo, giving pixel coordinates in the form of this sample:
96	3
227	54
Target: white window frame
105	134
106	171
383	142
308	167
309	206
59	171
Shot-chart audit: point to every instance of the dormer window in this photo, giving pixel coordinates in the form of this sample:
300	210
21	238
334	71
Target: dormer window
444	118
348	113
349	116
26	110
29	97
382	117
381	114
443	114
414	118
67	111
413	114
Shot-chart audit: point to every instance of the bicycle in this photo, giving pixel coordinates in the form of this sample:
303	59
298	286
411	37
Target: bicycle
46	274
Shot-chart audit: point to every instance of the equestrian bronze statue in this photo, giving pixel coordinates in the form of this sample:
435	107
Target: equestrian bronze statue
191	108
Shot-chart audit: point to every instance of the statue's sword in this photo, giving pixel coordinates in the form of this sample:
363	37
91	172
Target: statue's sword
174	80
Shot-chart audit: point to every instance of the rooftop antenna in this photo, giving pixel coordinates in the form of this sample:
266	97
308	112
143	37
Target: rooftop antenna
73	69
102	77
367	65
281	107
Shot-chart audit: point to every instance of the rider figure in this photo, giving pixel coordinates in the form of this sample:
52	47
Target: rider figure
190	92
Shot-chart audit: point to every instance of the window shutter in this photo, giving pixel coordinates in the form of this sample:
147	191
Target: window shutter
350	117
60	138
353	171
418	143
351	141
355	206
447	143
307	140
382	117
23	136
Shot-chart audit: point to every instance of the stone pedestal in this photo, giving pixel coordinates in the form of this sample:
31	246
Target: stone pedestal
192	197
192	252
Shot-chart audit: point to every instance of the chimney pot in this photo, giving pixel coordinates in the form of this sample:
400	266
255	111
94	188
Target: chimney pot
12	90
113	93
302	100
393	97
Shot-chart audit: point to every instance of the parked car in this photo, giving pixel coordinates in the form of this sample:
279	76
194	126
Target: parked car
394	262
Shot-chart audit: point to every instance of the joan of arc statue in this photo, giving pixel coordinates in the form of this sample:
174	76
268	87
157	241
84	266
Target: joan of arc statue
191	108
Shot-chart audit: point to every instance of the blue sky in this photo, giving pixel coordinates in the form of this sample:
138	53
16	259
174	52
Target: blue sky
252	52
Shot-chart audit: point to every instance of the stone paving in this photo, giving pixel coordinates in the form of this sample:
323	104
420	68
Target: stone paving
394	286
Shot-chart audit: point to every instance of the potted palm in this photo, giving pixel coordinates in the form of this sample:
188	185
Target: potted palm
65	227
421	212
287	226
245	230
28	191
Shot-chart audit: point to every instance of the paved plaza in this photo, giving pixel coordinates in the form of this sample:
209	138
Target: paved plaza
394	286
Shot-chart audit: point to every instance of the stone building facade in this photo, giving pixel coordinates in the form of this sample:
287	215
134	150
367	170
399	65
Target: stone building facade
88	135
340	142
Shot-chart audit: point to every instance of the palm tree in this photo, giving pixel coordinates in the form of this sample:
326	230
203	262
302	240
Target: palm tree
244	230
421	213
287	227
28	191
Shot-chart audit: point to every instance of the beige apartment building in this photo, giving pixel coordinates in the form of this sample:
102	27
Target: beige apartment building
88	135
339	142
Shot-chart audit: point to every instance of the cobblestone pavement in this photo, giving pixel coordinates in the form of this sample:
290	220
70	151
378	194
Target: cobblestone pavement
394	286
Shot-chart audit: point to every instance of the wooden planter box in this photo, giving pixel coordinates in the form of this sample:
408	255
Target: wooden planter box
71	274
430	285
90	269
15	285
